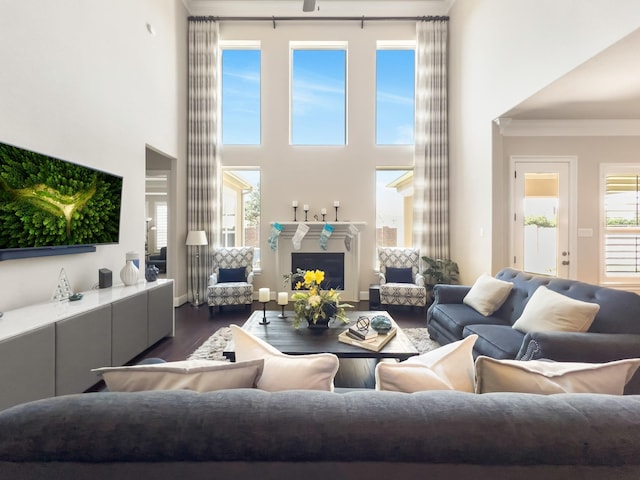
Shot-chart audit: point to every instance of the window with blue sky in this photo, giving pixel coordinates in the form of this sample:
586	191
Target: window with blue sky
241	96
395	87
318	95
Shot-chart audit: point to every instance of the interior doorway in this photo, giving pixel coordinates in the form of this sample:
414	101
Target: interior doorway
159	243
543	215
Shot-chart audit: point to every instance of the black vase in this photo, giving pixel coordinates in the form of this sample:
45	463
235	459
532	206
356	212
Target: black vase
323	323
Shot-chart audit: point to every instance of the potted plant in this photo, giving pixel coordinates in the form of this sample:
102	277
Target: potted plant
439	271
313	304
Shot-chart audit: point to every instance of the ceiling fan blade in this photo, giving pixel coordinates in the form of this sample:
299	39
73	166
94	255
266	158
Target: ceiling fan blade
309	5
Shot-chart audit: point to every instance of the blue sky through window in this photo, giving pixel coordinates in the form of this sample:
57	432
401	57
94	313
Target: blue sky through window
241	97
395	87
318	97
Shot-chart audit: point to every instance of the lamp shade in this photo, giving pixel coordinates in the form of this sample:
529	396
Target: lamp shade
196	237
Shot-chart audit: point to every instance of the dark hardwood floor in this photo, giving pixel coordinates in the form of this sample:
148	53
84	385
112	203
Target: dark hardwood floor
193	327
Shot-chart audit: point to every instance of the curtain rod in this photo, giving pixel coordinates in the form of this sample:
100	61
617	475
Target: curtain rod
275	19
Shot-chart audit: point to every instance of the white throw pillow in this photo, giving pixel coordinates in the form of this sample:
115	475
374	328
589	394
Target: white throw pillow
449	367
549	311
488	294
196	375
285	372
545	377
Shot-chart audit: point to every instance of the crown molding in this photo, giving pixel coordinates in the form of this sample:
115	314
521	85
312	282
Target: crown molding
568	128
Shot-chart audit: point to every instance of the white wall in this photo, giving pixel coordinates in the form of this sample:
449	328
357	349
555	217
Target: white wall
86	82
318	175
503	51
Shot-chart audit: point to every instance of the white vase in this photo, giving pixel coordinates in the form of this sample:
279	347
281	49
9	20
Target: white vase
129	273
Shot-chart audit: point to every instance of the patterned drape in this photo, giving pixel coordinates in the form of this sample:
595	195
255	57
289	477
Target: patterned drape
202	150
431	156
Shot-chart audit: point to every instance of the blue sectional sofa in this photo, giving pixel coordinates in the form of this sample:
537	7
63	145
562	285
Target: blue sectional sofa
613	335
253	434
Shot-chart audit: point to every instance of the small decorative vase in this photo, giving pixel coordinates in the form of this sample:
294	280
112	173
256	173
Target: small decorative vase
151	273
129	273
323	323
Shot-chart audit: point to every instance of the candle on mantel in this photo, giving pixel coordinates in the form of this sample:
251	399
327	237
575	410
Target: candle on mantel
305	207
264	295
336	203
323	211
283	298
294	203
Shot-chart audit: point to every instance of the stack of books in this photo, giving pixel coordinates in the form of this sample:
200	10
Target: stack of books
359	334
375	343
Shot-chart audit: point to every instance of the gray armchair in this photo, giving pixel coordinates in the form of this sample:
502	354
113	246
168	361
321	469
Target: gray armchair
231	282
401	282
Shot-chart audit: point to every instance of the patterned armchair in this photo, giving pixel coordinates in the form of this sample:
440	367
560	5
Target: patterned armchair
401	282
231	282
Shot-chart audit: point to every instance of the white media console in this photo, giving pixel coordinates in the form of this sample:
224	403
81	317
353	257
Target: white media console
50	348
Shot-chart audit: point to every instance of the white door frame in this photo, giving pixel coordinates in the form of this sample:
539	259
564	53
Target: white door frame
572	162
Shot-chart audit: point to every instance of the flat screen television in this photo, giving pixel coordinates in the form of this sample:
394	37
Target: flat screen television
50	206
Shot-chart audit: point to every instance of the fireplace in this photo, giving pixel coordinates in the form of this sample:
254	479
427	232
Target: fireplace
332	264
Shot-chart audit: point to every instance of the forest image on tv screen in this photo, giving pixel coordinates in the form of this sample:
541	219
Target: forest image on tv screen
46	202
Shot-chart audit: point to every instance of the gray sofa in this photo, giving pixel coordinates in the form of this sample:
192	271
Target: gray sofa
614	334
250	434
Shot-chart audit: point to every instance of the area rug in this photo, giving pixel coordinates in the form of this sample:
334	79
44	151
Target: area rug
212	348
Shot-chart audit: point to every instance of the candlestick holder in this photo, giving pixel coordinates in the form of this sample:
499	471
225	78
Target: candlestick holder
264	320
306	212
336	213
323	215
282	315
295	212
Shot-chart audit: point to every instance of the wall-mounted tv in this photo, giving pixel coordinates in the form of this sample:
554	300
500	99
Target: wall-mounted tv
50	206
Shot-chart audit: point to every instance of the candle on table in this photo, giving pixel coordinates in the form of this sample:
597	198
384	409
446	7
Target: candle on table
336	203
294	203
263	295
283	298
323	211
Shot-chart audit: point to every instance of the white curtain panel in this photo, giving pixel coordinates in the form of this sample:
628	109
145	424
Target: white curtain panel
431	156
202	149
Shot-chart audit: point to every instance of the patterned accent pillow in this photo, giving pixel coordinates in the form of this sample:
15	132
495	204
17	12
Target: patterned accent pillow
226	275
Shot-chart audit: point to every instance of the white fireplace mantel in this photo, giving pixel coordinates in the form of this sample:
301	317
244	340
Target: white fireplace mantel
311	244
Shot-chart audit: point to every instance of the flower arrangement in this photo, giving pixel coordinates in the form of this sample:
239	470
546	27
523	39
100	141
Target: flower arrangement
310	302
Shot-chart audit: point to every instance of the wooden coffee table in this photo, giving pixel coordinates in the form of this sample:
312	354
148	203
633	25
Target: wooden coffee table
281	334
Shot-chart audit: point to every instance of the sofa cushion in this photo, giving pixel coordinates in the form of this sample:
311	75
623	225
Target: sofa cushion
450	367
196	375
487	294
229	275
399	275
545	377
496	341
285	372
549	311
455	316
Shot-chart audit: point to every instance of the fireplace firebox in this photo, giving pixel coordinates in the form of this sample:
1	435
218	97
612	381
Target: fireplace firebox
332	264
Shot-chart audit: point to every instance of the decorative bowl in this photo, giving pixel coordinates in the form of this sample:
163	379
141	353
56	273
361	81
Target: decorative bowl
381	324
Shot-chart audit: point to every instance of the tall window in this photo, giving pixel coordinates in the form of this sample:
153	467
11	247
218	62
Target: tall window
622	223
395	93
240	93
394	207
318	94
241	209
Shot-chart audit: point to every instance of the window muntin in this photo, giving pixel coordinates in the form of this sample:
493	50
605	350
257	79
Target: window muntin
621	218
318	94
395	95
241	209
394	207
240	95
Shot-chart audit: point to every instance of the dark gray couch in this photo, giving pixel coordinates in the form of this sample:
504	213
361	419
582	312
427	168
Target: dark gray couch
614	334
252	434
